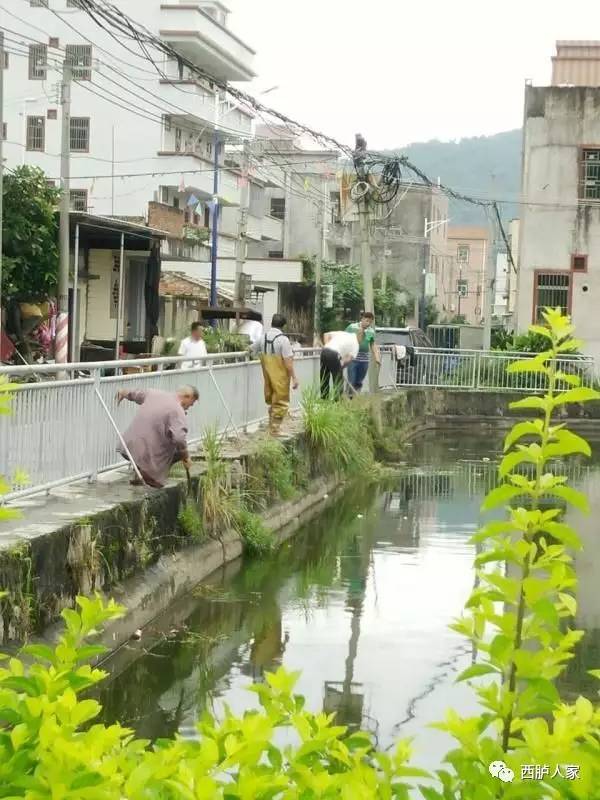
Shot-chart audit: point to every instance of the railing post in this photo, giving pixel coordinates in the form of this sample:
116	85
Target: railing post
476	370
246	393
95	391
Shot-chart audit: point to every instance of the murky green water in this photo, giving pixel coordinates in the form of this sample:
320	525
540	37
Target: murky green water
359	602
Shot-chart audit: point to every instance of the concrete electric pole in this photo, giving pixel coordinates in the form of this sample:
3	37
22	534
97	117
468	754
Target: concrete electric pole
61	348
321	210
363	197
242	244
489	285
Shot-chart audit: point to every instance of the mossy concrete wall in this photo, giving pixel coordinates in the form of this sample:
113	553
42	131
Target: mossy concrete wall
135	548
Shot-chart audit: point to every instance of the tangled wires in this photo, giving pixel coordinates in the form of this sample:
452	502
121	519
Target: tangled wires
378	179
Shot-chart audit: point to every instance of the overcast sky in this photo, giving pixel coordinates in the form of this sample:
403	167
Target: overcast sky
401	71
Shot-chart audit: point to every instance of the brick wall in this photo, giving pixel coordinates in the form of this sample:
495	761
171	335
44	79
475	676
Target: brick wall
166	218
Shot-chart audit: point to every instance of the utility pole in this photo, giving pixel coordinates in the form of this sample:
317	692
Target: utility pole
1	160
215	210
384	260
364	219
241	244
321	225
424	270
61	347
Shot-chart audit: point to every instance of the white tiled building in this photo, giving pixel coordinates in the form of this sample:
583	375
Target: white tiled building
126	118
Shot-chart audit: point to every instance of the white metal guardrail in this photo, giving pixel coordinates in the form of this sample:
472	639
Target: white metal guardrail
59	433
475	370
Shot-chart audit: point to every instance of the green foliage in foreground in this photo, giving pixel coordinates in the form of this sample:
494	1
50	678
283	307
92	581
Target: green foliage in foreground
520	617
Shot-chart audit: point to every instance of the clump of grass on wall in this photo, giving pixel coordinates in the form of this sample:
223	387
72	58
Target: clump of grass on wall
258	540
339	433
272	472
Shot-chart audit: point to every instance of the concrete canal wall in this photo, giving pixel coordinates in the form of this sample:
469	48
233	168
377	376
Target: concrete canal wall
128	543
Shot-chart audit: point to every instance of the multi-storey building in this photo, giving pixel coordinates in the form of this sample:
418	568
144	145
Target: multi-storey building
468	252
301	193
410	236
139	134
559	237
142	136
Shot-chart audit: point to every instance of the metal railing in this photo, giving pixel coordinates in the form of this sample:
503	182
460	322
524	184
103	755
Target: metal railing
477	370
59	432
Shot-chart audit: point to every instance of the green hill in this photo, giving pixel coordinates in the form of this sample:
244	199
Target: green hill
483	166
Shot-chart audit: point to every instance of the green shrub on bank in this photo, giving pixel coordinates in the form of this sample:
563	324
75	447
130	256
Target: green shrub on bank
339	433
272	472
258	539
190	521
520	620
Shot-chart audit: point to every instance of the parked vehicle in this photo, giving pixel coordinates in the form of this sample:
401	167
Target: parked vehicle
406	342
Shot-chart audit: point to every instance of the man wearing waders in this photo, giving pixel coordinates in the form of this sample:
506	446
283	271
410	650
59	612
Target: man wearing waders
277	359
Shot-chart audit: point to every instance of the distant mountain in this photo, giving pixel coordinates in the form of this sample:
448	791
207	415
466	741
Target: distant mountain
483	167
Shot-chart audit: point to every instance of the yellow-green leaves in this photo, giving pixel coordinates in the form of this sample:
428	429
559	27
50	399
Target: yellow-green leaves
522	429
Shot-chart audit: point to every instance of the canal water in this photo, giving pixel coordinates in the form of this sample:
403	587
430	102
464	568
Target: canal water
359	602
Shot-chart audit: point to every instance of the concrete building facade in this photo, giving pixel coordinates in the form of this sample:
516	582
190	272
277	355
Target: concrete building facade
300	193
559	238
468	251
145	138
576	64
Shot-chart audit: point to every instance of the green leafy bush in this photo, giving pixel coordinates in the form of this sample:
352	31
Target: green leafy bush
190	521
272	472
339	433
258	539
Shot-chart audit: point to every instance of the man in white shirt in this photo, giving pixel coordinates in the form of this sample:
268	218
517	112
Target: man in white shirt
252	329
193	347
339	349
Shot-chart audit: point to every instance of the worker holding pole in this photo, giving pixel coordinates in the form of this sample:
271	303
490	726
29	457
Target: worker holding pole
277	360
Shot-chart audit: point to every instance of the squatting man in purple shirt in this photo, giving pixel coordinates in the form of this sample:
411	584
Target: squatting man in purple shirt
157	437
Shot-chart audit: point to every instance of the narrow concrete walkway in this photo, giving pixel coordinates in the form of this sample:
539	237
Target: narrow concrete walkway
45	513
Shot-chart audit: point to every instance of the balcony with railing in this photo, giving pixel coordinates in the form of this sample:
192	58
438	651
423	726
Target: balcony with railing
203	38
272	229
188	99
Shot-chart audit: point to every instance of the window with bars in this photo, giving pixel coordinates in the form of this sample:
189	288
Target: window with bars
275	253
589	188
38	3
278	207
78	199
74	4
79	56
36	134
38	62
463	251
336	204
551	290
80	134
